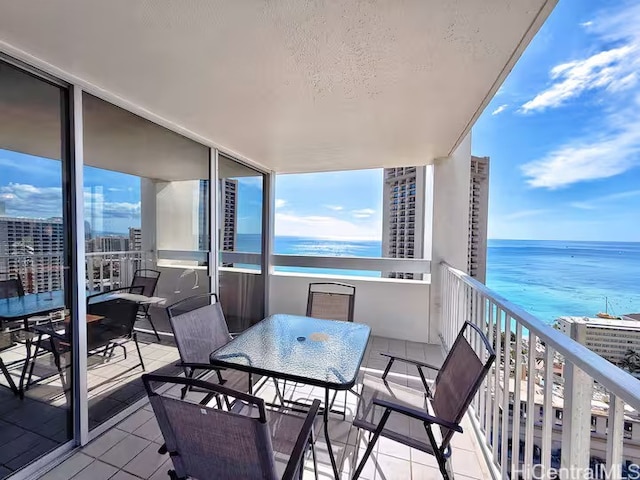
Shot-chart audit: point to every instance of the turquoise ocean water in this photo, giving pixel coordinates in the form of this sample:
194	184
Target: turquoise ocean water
546	278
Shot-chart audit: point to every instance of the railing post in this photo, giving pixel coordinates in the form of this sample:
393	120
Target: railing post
576	419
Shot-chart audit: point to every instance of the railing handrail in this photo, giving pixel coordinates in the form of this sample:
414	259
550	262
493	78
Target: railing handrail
406	265
613	378
122	252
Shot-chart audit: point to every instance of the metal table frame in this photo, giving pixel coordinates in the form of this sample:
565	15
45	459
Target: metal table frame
347	385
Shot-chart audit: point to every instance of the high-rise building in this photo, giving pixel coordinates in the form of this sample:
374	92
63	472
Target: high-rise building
203	217
229	217
32	247
403	215
110	243
478	217
135	239
2	207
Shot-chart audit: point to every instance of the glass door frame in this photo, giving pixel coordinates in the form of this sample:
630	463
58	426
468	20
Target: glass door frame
73	264
268	217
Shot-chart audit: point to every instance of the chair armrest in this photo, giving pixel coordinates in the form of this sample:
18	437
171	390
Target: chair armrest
417	414
408	360
300	447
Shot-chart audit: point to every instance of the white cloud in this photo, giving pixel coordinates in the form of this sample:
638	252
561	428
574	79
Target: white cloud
608	70
523	214
500	109
363	213
280	202
326	227
612	152
42	202
335	208
595	203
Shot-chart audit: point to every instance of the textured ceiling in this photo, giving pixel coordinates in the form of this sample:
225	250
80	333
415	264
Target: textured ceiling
293	85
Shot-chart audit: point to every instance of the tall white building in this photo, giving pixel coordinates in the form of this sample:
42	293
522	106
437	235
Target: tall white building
108	243
33	248
478	218
403	200
135	239
609	338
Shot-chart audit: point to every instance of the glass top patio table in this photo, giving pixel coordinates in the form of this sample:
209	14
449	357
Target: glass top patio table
325	353
16	308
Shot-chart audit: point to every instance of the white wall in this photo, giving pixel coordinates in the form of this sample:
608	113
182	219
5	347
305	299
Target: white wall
450	222
392	308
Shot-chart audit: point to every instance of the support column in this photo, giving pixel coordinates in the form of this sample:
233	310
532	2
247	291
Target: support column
450	227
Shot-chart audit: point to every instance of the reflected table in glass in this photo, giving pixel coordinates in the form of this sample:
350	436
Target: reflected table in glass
323	353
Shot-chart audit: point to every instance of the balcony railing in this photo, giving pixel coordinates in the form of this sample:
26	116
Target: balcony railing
105	270
529	358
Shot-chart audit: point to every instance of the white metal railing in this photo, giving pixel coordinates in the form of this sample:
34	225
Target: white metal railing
404	265
529	355
109	270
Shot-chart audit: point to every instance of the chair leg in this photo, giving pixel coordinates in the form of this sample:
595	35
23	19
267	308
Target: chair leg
313	455
135	340
372	442
33	362
153	327
12	384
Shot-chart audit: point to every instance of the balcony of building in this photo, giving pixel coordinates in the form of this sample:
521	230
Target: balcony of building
151	102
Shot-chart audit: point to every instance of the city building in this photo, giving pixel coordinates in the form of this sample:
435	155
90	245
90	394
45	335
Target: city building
229	213
203	216
135	239
403	200
2	207
478	218
108	243
609	338
33	248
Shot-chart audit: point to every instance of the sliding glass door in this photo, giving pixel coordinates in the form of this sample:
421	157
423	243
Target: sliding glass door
36	283
240	202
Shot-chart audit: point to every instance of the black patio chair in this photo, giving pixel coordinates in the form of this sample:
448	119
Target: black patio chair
331	301
10	285
112	326
148	280
383	404
208	443
199	328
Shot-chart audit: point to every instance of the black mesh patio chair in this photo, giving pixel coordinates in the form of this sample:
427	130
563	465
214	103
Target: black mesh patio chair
111	326
245	443
148	280
408	416
10	285
199	328
331	301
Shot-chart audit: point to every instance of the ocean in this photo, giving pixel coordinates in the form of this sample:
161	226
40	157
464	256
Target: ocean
547	278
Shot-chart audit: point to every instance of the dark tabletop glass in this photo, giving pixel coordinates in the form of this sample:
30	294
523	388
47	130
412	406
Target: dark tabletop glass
318	352
32	304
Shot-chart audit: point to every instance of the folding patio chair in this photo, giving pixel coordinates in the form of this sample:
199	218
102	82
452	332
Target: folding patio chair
199	328
244	443
331	301
148	280
408	416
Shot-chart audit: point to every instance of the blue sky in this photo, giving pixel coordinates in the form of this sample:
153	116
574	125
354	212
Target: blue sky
563	134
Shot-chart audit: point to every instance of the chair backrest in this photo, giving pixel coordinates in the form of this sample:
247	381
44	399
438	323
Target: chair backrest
119	315
199	327
10	285
460	377
147	279
332	301
212	443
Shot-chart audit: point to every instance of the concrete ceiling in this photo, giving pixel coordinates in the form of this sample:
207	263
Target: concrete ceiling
294	85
